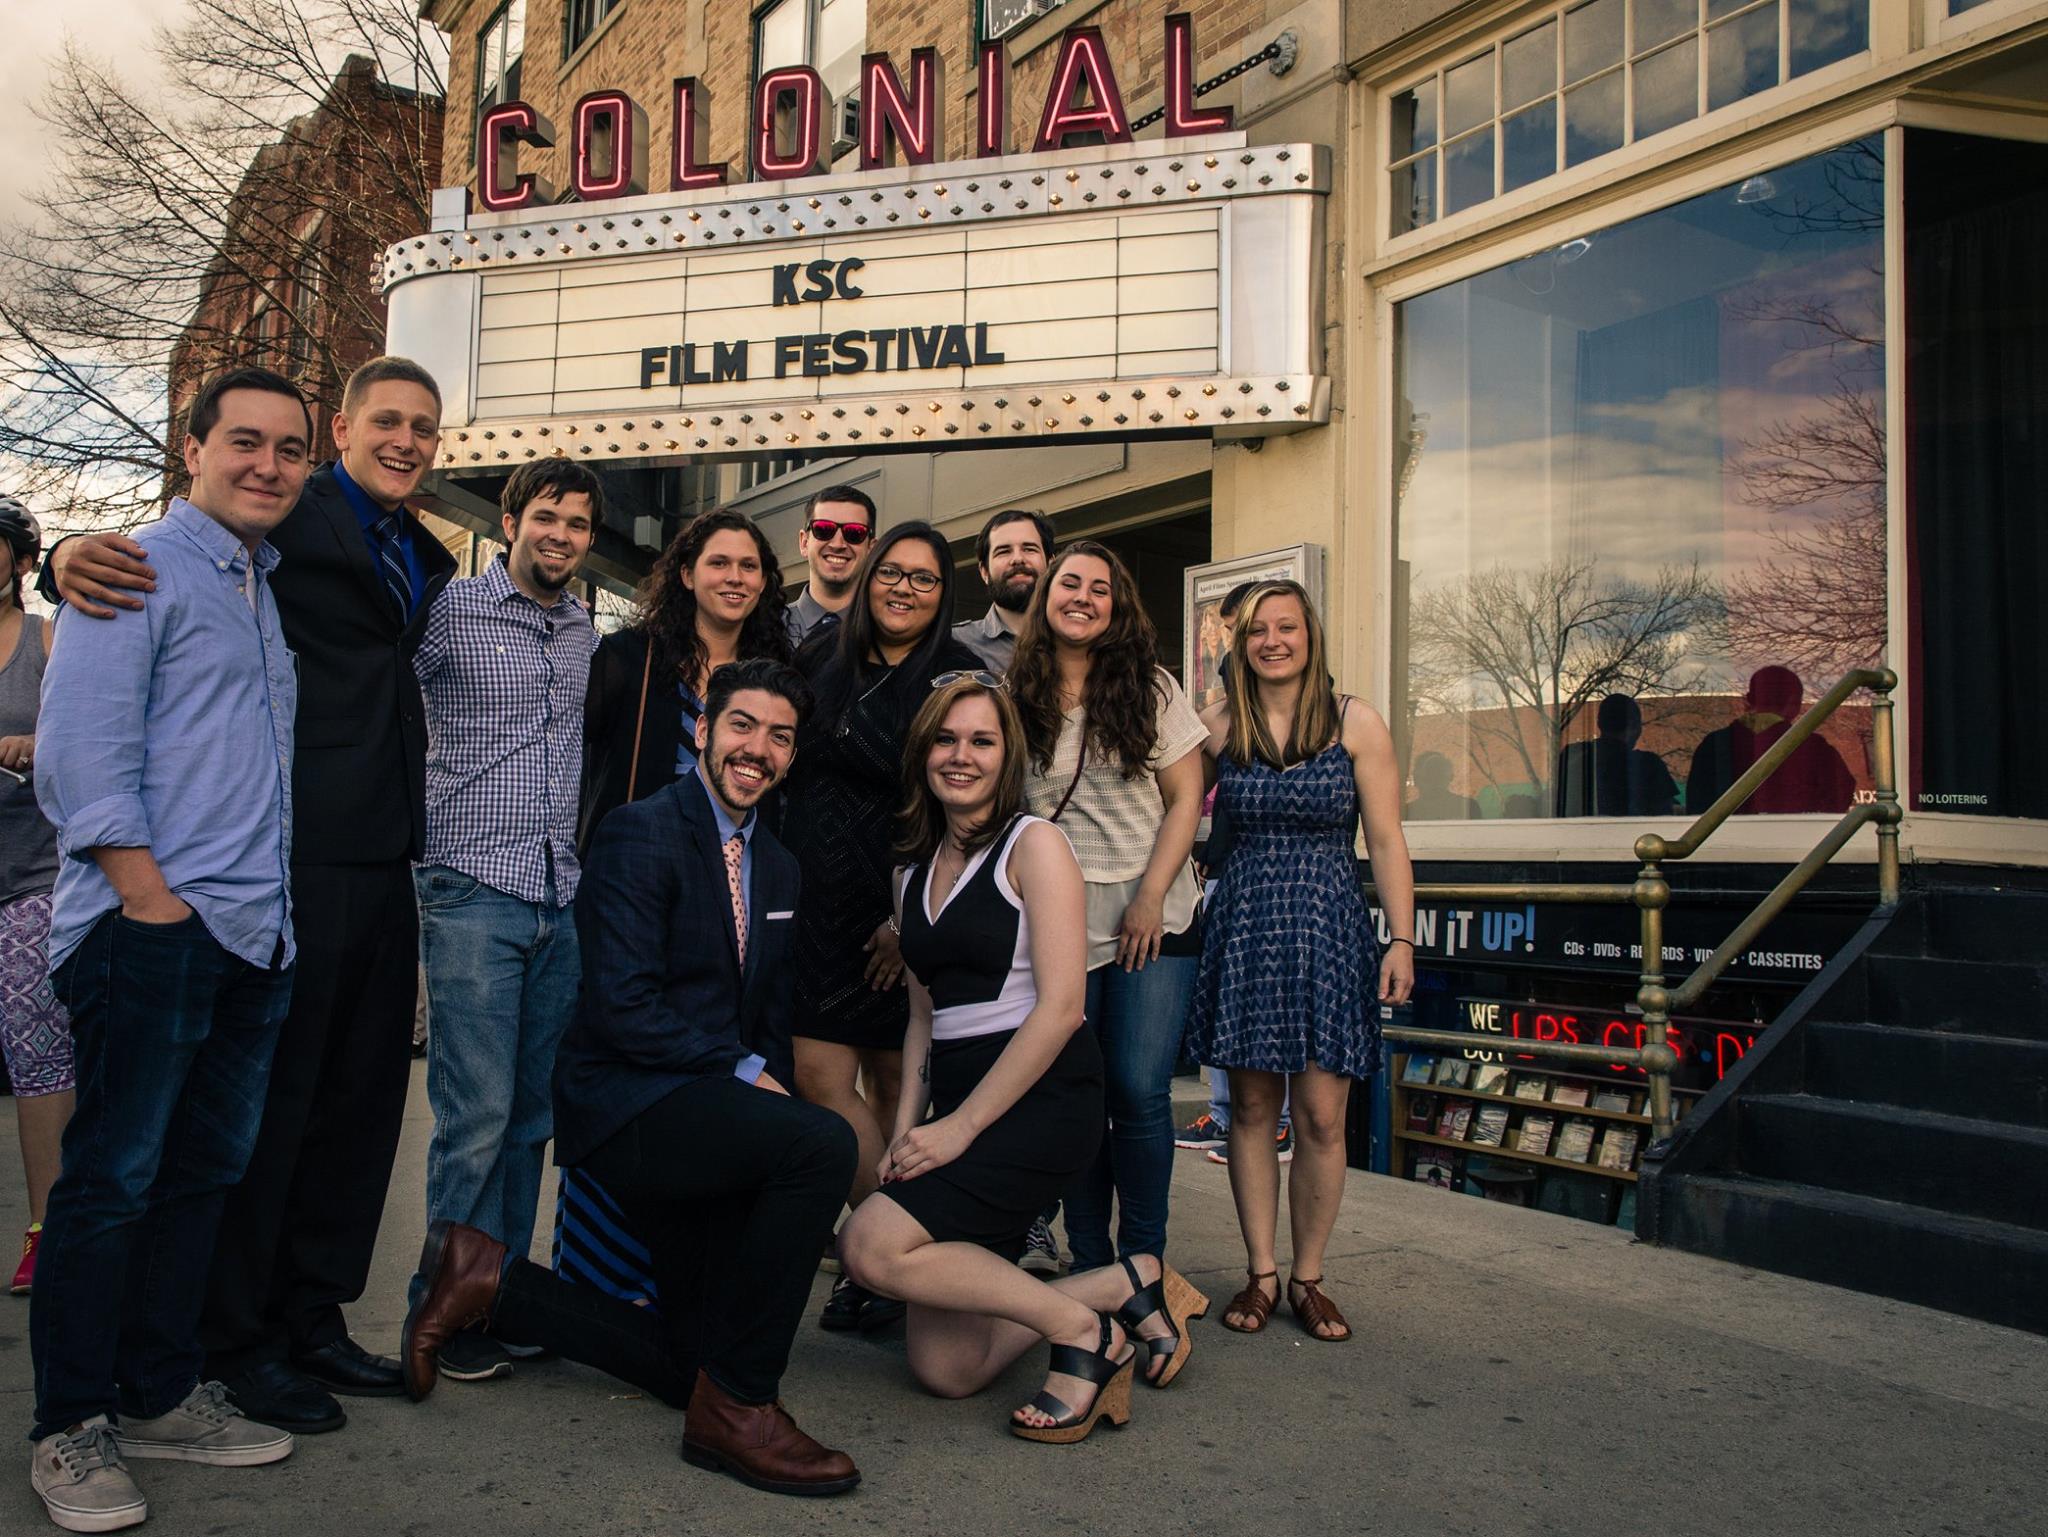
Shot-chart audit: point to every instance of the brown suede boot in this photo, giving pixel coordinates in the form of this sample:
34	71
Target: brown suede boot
462	1267
759	1444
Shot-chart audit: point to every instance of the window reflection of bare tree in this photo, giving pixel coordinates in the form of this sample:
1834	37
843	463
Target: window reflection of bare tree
1816	603
1520	653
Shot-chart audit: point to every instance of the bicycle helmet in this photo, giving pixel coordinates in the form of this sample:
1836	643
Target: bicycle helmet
19	527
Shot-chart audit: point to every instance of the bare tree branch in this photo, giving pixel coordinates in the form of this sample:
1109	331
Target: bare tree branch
1508	644
231	220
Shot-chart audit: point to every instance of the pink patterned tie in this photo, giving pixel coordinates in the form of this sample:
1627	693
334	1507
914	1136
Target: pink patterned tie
735	848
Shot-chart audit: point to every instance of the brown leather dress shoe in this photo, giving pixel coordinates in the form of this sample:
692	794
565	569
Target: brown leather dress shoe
462	1267
759	1444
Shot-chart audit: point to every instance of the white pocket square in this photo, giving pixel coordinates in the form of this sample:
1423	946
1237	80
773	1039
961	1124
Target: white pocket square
771	917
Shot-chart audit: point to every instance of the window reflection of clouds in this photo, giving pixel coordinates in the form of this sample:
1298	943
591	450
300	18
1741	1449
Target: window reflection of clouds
1683	393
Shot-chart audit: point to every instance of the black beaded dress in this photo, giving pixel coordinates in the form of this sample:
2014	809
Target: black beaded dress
839	819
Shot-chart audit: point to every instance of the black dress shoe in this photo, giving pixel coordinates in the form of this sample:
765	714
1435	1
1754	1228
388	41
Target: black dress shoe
344	1367
275	1395
855	1307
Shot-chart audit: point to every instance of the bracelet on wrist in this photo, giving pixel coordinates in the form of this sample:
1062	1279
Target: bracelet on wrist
1400	941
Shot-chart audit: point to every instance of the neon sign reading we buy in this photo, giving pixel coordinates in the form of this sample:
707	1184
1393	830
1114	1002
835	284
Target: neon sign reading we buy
787	124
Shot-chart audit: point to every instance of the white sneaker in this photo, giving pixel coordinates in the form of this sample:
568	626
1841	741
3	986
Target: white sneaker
206	1427
82	1482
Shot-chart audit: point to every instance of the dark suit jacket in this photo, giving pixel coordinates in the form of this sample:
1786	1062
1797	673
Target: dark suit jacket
664	1000
359	770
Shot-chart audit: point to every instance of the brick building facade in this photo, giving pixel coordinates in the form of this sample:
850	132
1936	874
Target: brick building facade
288	289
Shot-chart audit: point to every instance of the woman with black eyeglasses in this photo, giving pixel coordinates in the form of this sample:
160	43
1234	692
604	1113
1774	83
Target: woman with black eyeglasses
871	673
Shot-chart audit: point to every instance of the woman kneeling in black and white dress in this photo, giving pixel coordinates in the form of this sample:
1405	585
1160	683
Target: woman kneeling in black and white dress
994	933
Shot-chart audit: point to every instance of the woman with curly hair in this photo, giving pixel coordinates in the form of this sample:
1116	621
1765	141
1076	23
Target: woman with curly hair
1115	761
714	596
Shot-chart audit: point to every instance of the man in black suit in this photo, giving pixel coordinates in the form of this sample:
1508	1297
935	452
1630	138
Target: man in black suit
669	1092
356	578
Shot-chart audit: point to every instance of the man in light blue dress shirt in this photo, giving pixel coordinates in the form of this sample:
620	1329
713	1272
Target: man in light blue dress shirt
164	753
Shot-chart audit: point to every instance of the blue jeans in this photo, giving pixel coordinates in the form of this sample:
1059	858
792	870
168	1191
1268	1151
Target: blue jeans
1138	1018
174	1039
501	985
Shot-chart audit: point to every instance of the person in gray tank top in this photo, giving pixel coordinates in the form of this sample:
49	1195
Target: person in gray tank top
34	1030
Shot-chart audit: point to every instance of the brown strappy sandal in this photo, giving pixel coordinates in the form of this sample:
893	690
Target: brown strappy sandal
1252	1303
1316	1311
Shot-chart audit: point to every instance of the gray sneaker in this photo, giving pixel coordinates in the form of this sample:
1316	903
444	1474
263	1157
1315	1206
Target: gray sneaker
1041	1251
206	1427
82	1481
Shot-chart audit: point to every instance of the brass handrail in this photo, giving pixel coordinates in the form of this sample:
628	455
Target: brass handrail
1879	680
1650	891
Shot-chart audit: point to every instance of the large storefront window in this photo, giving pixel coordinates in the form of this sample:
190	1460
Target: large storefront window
1640	480
1977	471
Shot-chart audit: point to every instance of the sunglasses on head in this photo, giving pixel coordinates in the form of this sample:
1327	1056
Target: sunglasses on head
825	528
985	679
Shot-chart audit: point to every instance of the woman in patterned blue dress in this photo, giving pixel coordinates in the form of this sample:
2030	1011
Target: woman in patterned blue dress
1291	978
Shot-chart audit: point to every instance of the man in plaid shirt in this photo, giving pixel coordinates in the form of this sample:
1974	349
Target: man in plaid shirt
502	666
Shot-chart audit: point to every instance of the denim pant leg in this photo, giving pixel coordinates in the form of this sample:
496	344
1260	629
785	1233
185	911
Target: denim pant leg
1139	1018
474	943
553	971
111	1284
206	1151
1219	1094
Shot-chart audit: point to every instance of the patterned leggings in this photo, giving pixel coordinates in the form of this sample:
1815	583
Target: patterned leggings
35	1032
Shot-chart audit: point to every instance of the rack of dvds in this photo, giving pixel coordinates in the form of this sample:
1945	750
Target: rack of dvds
1536	1136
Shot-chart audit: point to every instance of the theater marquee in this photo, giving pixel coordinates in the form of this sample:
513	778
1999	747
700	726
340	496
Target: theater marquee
1123	289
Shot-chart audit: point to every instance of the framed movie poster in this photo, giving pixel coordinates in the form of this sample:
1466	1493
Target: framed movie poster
1206	637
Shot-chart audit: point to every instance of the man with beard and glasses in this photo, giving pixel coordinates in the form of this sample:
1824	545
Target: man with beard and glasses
356	579
669	1091
503	666
838	523
1011	555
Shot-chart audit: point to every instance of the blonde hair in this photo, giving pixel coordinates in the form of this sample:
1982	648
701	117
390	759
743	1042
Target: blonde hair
1315	712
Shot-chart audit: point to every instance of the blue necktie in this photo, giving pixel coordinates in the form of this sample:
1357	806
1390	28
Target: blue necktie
391	563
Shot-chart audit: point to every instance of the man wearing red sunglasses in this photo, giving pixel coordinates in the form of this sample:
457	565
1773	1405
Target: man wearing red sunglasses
838	522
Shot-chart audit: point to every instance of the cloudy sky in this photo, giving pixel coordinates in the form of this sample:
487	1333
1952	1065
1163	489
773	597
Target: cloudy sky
117	30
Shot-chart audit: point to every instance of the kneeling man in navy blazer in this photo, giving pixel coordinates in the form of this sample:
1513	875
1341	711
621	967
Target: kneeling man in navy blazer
669	1090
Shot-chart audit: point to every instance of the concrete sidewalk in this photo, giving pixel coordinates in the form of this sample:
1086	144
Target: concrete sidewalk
1513	1372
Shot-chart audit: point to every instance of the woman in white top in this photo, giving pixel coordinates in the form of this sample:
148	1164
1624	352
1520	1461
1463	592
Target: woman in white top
993	932
1116	762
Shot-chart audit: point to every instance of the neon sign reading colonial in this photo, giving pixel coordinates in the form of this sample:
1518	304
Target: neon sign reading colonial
788	116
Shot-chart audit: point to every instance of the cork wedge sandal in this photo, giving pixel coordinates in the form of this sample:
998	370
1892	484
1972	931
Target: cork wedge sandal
1172	1297
1112	1379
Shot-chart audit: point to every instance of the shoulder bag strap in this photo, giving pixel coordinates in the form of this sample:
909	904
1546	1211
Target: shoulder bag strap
1080	766
639	723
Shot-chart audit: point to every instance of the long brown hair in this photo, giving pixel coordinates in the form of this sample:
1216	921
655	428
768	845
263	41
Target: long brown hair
1120	700
921	824
1315	712
668	607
